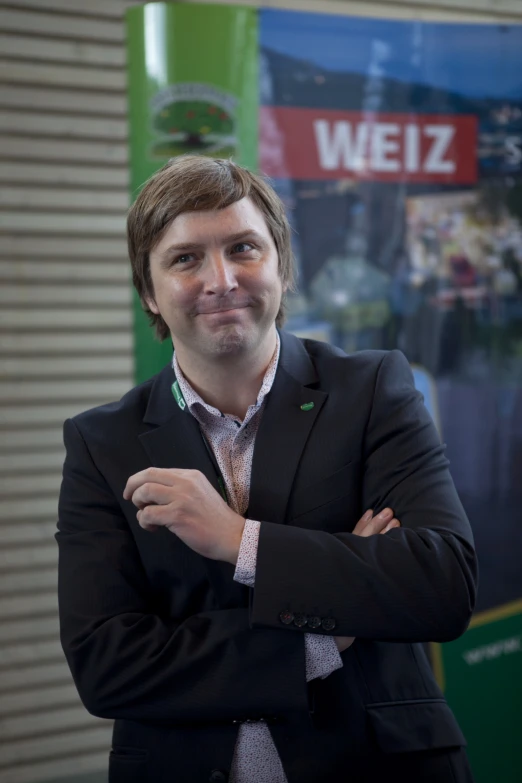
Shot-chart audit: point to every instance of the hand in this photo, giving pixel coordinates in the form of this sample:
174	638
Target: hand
187	504
368	525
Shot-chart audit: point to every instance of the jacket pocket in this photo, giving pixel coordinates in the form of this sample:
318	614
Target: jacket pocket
402	727
128	765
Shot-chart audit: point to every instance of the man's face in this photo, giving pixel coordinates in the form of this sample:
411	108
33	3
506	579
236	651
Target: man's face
216	280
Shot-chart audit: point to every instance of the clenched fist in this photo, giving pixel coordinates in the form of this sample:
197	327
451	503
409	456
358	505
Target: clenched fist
187	504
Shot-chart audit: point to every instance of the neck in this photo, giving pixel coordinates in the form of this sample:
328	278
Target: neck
230	383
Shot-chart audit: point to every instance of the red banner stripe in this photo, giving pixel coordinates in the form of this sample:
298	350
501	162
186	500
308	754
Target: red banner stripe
383	147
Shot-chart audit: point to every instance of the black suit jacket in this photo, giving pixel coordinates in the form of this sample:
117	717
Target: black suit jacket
165	642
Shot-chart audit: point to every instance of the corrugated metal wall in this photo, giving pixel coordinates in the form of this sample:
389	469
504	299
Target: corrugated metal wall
65	340
451	10
65	325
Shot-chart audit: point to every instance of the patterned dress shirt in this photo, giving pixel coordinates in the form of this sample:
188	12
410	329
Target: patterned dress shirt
255	759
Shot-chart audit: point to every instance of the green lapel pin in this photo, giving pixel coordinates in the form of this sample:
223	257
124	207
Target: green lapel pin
178	396
307	406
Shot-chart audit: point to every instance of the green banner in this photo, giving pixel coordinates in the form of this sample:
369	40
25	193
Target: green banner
480	676
193	87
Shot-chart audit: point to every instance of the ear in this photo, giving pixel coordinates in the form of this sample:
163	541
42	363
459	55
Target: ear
151	304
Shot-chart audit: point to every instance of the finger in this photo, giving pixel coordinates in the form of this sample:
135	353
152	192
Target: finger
349	641
391	525
362	522
152	494
166	476
377	523
149	528
381	520
153	517
343	642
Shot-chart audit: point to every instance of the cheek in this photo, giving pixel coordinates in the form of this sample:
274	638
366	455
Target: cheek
265	281
275	288
170	293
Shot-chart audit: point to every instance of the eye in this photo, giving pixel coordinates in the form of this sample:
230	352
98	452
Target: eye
243	247
184	259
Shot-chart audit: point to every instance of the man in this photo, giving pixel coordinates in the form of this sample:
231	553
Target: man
215	566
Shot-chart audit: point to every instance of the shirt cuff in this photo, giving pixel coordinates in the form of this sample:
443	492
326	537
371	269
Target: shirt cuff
245	572
321	656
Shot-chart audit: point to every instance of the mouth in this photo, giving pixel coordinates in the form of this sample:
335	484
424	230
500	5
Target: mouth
221	310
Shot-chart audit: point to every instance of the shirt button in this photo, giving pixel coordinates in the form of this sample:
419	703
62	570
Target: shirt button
286	617
328	623
314	621
300	620
217	776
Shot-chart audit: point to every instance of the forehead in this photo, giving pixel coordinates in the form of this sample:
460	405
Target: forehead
209	226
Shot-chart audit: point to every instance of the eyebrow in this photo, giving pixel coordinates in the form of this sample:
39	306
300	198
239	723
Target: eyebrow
186	246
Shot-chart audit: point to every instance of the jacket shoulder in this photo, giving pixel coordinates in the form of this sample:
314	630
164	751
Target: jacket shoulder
325	356
359	370
123	412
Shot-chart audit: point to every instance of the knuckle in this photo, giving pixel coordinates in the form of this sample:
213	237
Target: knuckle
149	514
139	496
183	505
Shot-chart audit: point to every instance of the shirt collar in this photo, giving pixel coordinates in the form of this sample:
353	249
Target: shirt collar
193	399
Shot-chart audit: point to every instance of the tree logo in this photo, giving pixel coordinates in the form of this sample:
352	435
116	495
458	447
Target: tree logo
193	117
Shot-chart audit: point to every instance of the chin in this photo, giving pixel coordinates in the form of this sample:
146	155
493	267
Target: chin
229	341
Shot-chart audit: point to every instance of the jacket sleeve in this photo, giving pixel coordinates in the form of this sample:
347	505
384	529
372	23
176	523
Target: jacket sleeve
130	662
321	654
417	583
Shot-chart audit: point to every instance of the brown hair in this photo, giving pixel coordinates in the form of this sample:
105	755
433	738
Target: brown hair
194	182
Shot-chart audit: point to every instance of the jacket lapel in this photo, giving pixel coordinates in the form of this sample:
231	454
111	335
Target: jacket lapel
175	441
283	431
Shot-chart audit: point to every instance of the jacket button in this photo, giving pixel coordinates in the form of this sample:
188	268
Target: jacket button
314	621
300	620
286	617
216	776
328	623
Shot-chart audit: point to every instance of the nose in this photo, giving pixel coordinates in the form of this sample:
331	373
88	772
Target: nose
219	275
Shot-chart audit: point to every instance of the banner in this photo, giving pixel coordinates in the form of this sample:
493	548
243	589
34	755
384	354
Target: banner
192	87
397	147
